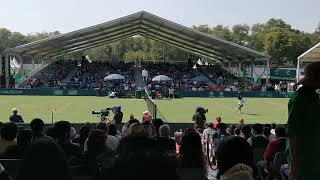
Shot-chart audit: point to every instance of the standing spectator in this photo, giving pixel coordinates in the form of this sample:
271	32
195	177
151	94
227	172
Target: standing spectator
15	117
44	160
145	75
216	122
304	115
164	140
8	135
37	130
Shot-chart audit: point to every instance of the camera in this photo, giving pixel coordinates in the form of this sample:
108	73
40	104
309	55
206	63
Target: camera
202	110
102	112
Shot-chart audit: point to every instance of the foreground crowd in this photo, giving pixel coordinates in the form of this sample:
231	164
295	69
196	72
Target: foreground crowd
140	151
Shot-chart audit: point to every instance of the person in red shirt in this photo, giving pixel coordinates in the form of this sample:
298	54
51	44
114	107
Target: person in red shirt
277	145
146	116
216	122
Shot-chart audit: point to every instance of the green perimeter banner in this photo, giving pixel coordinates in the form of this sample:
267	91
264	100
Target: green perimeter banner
137	94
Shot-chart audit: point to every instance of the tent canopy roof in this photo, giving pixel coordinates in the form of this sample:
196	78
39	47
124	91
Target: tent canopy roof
311	55
144	24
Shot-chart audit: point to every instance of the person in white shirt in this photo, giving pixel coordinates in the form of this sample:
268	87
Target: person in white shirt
145	75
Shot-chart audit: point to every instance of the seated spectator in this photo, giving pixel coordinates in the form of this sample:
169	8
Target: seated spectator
146	117
148	129
137	129
114	132
125	128
258	142
62	136
8	135
156	126
111	141
191	154
17	151
140	153
37	130
83	135
222	132
241	122
216	122
209	131
231	129
246	132
231	152
237	131
267	133
15	117
164	140
44	160
277	145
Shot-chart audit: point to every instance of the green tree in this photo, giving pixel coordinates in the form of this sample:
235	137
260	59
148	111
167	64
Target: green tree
240	34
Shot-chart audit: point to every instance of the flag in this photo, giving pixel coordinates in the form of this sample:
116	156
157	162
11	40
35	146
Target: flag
200	62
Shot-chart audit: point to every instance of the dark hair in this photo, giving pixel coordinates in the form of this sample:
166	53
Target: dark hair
246	131
191	151
9	131
210	125
132	121
44	160
266	131
96	142
218	119
112	130
84	133
24	137
62	129
102	126
231	129
231	151
136	153
37	125
258	128
268	125
156	125
237	131
280	132
51	132
273	126
222	127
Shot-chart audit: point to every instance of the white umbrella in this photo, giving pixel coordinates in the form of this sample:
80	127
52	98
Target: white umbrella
114	77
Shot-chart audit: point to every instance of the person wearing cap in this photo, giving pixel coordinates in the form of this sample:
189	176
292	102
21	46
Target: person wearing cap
15	117
303	126
146	117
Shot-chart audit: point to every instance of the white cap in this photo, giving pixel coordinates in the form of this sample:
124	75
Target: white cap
145	112
14	110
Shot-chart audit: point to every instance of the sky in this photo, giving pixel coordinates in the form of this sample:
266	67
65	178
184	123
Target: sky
30	16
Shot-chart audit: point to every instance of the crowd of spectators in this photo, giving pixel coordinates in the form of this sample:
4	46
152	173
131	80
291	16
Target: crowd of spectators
51	76
104	151
91	75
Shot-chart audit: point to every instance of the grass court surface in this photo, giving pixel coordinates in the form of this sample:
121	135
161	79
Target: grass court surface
77	109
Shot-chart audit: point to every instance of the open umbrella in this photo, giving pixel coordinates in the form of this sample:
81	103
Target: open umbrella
161	78
114	77
201	78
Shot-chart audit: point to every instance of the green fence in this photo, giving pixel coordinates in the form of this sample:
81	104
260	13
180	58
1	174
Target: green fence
137	94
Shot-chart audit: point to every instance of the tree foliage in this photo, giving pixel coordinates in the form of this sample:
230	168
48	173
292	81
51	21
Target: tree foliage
274	37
